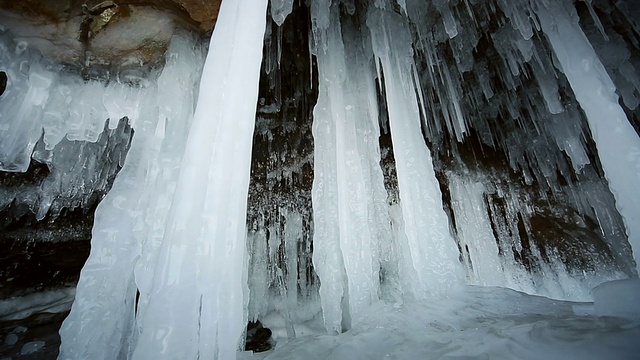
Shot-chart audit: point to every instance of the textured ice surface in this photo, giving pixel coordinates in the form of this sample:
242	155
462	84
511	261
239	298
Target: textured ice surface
129	223
348	192
476	322
196	306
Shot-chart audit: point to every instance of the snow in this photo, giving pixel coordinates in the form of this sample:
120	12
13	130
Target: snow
473	322
620	298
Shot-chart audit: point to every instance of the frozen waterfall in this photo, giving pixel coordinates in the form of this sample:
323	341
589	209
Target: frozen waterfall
175	230
413	179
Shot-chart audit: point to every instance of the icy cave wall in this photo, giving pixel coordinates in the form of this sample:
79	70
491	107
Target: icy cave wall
59	153
520	176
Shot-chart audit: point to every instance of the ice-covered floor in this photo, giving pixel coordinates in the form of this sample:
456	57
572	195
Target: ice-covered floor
475	323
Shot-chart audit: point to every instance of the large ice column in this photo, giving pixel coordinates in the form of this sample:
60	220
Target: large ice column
617	142
327	254
196	307
129	222
434	263
349	200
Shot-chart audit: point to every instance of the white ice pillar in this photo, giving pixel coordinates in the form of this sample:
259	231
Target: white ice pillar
129	222
433	265
197	306
349	199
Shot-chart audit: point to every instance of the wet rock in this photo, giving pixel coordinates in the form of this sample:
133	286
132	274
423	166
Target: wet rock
35	337
104	32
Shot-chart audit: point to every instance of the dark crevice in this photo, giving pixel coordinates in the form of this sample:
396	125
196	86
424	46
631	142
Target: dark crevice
3	82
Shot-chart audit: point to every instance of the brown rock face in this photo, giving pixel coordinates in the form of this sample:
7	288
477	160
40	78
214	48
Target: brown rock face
104	32
202	12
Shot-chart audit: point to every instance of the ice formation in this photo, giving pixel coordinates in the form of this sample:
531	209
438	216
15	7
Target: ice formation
348	191
617	142
177	250
487	142
130	221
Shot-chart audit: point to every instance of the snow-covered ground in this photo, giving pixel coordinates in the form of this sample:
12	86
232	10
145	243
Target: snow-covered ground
482	323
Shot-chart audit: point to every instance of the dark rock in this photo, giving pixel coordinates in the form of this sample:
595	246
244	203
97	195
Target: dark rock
33	338
258	337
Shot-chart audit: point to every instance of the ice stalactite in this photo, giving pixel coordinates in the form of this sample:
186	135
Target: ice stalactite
618	144
280	9
474	232
327	256
196	306
498	110
129	223
433	265
349	199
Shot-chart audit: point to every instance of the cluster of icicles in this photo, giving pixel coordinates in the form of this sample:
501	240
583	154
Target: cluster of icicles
167	274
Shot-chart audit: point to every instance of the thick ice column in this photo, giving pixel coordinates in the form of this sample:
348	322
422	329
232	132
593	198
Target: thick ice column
197	304
434	256
617	142
129	221
327	255
350	212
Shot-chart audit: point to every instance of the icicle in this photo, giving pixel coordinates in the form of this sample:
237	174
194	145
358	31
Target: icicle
449	21
346	207
596	19
519	18
474	232
327	256
617	142
197	305
280	9
434	256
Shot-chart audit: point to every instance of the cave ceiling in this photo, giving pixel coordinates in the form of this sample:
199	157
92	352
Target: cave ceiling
115	32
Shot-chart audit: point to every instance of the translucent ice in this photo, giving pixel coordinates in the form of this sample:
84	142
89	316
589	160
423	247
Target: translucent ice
618	143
